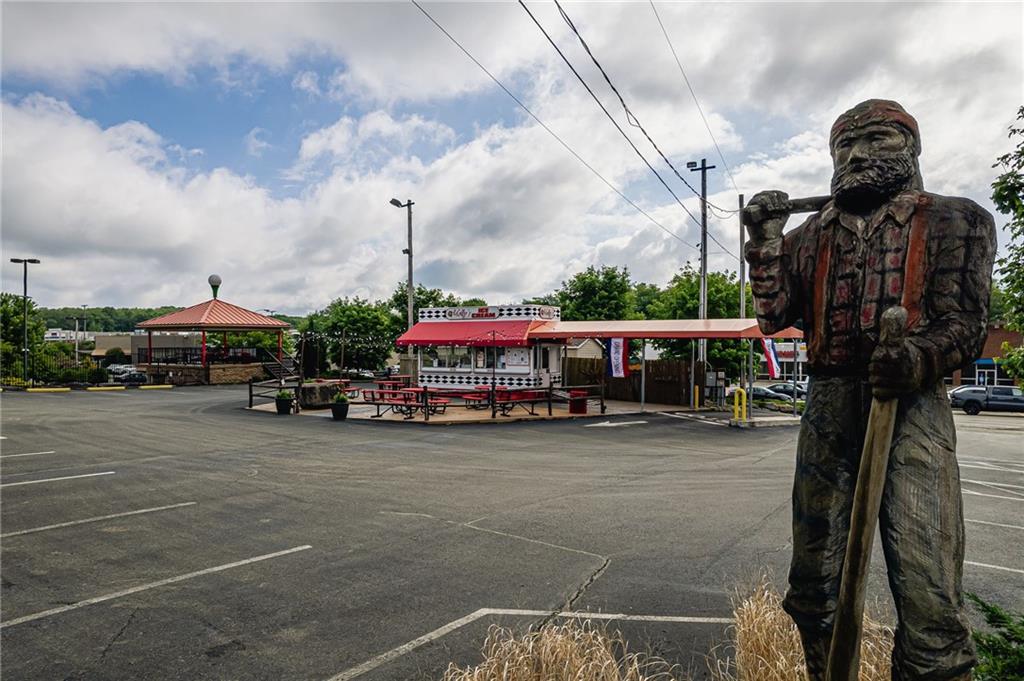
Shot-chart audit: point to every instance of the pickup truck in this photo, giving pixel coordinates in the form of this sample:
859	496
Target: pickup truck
977	398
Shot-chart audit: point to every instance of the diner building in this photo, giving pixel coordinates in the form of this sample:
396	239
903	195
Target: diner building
524	346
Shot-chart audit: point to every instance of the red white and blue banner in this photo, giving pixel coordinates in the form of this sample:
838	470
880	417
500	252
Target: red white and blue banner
617	353
771	358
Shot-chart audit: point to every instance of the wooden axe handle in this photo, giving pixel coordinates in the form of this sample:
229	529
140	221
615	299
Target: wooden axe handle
844	654
754	214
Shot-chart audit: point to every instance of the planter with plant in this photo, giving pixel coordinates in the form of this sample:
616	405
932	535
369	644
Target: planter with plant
339	406
284	400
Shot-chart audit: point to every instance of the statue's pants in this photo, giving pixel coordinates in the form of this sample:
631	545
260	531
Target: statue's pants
921	523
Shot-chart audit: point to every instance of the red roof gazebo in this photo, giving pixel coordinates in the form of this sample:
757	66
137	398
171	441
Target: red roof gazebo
214	315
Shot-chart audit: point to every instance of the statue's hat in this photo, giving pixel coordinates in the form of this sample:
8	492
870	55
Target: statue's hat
876	111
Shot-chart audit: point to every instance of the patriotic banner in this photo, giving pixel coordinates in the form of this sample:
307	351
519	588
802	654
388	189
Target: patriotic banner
771	358
617	352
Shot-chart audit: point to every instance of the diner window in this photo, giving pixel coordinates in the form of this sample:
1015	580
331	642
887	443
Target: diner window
493	353
435	358
462	357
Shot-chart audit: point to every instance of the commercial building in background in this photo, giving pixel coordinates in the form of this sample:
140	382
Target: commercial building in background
986	370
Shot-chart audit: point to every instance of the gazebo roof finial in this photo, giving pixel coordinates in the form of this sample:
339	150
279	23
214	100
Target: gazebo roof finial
214	284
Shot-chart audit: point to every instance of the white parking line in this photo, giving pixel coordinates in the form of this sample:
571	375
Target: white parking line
988	483
66	477
995	487
95	519
993	567
14	456
687	417
144	587
992	496
985	522
992	468
395	653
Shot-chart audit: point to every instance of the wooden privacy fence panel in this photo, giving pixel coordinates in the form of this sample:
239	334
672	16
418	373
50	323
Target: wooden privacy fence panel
668	380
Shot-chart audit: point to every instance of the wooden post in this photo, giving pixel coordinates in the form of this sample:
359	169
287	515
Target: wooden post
844	653
280	344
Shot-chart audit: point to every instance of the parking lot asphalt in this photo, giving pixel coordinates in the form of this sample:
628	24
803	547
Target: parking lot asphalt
175	535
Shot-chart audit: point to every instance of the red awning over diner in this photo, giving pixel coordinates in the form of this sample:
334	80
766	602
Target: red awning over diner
500	333
658	328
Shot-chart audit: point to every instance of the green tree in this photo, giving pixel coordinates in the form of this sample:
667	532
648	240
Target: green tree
645	295
997	303
421	297
358	334
102	318
681	300
598	294
1008	196
12	316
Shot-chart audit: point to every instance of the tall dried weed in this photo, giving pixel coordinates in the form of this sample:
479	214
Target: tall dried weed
766	646
567	652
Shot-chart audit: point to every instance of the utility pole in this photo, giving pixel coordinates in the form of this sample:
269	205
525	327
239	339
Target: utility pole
25	262
75	319
703	168
408	251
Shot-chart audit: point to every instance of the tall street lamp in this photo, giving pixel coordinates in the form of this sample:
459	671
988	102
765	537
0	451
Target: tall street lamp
408	251
24	349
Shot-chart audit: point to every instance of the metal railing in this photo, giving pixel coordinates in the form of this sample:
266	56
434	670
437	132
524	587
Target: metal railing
194	356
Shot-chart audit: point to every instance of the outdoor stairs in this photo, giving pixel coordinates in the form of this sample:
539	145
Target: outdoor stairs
287	369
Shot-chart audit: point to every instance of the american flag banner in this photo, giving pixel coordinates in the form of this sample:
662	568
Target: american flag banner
617	352
771	358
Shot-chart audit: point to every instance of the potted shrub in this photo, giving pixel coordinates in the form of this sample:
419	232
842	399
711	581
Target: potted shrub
284	399
339	406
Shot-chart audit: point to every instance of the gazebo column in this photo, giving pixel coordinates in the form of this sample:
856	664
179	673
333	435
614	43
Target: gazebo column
224	344
203	352
280	345
149	352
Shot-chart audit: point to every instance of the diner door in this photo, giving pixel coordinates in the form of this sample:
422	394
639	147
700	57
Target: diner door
986	377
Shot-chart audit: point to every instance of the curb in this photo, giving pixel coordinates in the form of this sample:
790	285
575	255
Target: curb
104	388
47	390
155	387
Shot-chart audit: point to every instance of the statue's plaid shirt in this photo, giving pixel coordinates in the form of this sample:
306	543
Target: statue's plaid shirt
838	273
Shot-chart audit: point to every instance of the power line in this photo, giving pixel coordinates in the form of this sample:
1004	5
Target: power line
606	112
694	95
630	116
549	130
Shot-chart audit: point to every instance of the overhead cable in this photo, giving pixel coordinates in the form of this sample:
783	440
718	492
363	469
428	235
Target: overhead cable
630	116
549	130
694	95
606	113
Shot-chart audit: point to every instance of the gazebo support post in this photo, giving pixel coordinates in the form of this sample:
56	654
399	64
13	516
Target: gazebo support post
202	355
224	346
149	350
280	344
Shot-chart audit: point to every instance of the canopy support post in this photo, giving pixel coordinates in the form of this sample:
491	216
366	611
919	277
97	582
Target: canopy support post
149	351
280	343
203	351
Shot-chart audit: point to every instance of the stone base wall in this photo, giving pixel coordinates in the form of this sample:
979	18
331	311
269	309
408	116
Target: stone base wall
215	374
317	395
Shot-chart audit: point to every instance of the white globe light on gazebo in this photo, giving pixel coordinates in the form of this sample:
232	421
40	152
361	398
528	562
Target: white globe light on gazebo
215	281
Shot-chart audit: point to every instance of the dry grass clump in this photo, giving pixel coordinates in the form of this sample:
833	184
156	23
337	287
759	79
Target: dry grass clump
766	645
568	652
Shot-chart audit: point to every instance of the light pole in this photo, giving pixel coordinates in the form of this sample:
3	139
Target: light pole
408	251
25	263
76	320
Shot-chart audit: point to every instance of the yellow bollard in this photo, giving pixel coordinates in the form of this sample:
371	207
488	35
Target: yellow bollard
739	405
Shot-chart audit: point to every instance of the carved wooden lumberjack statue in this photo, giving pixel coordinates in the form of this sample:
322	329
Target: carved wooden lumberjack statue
880	242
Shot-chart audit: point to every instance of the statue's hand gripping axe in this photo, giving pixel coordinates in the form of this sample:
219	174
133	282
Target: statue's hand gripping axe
844	654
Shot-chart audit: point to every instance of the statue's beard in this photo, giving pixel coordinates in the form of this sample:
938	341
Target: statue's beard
870	183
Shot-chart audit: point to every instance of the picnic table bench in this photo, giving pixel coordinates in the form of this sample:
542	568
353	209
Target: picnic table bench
506	400
396	401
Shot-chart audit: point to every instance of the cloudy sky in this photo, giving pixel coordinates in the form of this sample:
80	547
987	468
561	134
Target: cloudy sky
148	145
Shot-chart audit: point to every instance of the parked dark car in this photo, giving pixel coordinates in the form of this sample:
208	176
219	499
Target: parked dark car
134	378
760	393
977	398
787	390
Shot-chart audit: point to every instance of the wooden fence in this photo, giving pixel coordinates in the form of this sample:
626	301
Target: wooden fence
668	380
